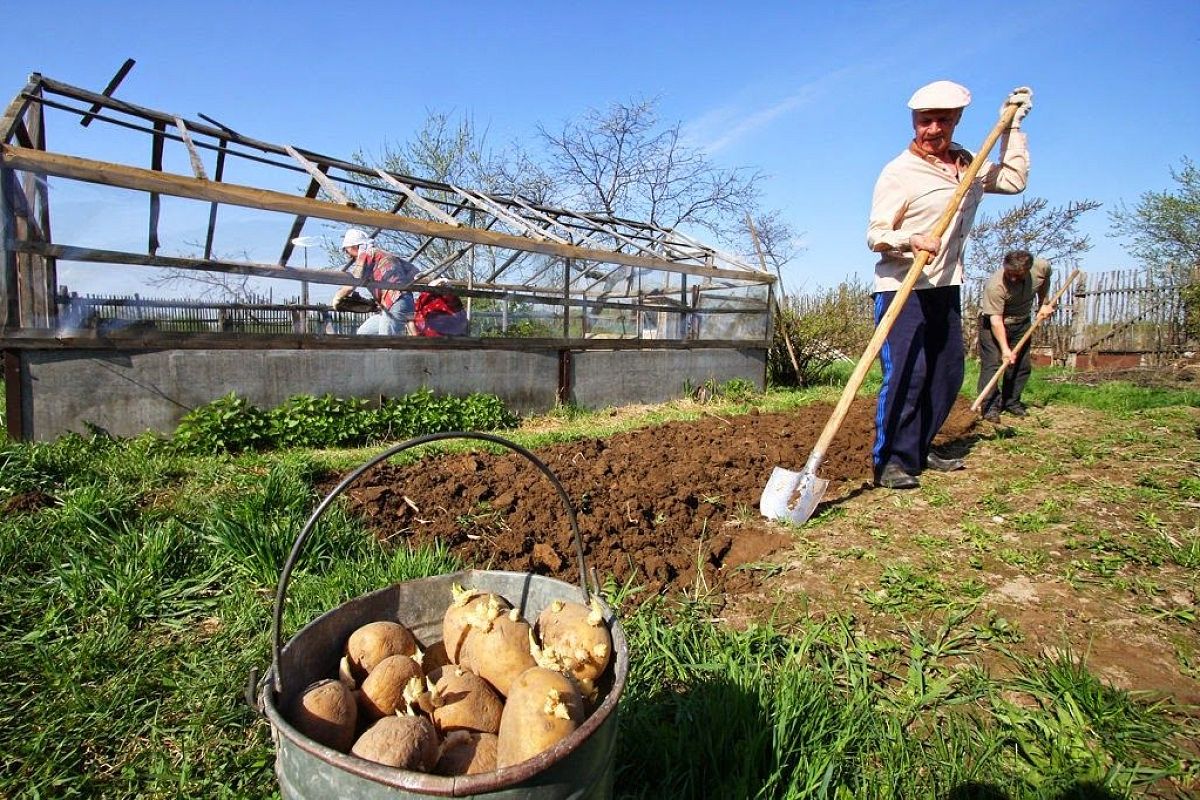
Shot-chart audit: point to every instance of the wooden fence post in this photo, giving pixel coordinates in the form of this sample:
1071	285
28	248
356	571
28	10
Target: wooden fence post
10	307
1078	321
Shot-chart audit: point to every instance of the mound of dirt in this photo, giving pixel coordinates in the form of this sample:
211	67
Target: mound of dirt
27	503
671	508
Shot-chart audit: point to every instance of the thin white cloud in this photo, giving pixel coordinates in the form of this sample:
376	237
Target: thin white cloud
721	127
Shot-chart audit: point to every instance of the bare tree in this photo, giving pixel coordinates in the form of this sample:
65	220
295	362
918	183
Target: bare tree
226	287
622	162
777	240
1165	227
1049	233
449	150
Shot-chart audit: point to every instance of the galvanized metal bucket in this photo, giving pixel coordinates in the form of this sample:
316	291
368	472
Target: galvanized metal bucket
578	768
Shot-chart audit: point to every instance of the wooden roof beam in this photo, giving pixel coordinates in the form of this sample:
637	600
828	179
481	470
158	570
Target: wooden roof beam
409	192
585	241
592	220
108	90
314	186
218	175
126	177
156	162
483	203
14	114
193	154
320	176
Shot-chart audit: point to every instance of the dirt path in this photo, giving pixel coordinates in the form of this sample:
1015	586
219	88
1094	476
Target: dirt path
1060	529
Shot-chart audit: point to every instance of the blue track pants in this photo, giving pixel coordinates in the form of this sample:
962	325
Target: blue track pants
922	360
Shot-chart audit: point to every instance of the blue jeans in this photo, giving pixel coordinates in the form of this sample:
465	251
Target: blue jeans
392	322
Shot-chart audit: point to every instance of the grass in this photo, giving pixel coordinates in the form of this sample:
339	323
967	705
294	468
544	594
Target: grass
1115	397
138	599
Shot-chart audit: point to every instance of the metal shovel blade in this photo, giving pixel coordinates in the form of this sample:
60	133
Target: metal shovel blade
791	496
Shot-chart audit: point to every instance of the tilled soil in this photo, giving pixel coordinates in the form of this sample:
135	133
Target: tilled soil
1057	529
670	508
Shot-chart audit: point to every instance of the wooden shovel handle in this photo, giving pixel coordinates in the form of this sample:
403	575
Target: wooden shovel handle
987	390
914	272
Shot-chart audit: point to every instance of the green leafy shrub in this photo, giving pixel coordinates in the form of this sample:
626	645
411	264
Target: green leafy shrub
825	328
482	412
423	412
228	424
231	424
325	421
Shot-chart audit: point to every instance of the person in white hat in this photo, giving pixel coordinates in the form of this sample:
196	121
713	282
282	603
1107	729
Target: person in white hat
373	264
922	357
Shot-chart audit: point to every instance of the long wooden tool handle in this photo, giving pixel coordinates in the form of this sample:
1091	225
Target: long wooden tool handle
987	390
914	272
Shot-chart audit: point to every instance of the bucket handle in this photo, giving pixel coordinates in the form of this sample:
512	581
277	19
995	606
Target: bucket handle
298	545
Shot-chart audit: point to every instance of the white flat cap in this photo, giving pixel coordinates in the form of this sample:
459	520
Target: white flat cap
940	94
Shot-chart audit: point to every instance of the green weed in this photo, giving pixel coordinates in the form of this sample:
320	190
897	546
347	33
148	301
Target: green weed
902	589
1030	561
1048	513
1079	728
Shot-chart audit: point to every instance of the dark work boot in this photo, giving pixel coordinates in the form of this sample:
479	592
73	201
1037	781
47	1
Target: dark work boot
893	477
1017	409
939	464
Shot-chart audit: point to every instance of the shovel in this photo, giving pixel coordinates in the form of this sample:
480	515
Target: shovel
793	496
987	390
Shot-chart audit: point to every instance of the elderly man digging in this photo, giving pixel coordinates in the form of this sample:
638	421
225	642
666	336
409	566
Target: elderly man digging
922	358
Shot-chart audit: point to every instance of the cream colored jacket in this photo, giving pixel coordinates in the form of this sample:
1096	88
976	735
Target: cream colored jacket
911	194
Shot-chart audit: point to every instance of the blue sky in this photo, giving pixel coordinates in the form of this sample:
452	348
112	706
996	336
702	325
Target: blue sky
810	94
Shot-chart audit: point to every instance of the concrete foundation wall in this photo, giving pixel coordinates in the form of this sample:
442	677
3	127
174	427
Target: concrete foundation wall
613	378
129	392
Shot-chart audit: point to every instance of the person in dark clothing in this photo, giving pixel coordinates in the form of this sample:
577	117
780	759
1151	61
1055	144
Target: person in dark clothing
1004	317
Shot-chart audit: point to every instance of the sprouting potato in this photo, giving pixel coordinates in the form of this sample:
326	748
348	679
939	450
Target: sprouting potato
543	708
574	638
374	642
464	701
345	675
407	742
498	650
326	712
382	693
467	753
468	608
434	657
410	698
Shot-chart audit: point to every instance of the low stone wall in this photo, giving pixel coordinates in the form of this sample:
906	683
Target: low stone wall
127	392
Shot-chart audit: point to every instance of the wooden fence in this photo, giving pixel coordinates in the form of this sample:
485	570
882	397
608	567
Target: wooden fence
1103	316
1122	318
257	314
